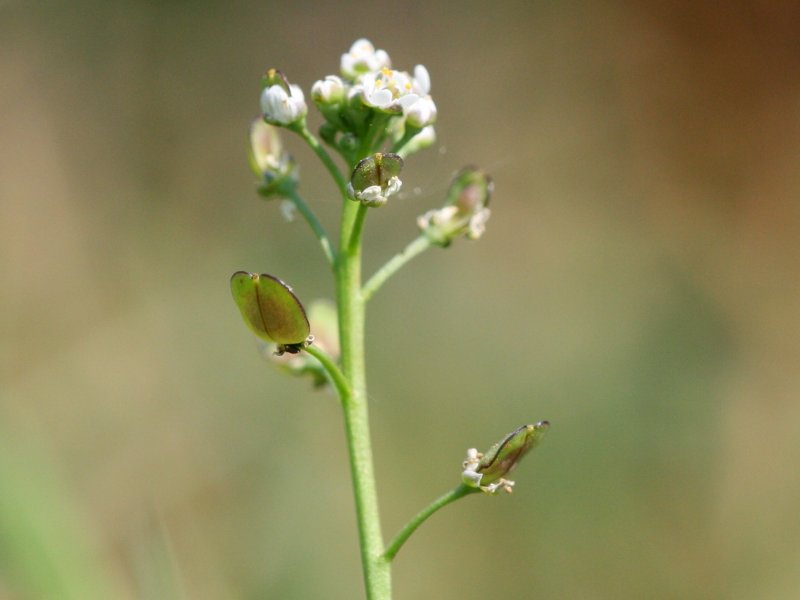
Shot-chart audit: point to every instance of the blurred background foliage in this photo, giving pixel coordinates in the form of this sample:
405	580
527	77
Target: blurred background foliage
637	285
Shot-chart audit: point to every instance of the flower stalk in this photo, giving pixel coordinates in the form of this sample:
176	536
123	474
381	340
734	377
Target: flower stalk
375	118
356	415
397	262
313	223
455	494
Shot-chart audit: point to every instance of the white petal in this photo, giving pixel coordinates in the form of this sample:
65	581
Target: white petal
422	113
363	58
380	98
273	102
382	59
393	186
362	47
297	93
423	79
408	101
372	195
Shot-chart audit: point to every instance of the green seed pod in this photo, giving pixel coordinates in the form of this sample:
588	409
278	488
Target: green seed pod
271	310
375	178
501	458
487	471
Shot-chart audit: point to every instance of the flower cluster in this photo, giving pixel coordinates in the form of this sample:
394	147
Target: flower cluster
374	117
366	104
368	77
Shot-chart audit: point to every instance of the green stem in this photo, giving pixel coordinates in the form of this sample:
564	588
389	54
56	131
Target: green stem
357	228
422	516
399	145
377	575
302	130
375	126
337	377
316	226
416	247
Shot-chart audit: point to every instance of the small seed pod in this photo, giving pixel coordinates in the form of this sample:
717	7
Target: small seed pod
487	471
375	178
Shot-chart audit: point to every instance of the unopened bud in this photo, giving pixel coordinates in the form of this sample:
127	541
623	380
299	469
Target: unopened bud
363	58
272	165
328	91
421	113
282	103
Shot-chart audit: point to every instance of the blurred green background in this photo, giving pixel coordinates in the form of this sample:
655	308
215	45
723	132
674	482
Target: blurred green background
637	285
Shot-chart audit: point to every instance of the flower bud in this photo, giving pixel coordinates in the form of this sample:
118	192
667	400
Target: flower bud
272	165
465	211
282	103
363	58
487	471
375	178
421	113
328	91
330	96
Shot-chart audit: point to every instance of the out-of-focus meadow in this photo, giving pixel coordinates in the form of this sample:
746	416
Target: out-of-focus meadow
637	286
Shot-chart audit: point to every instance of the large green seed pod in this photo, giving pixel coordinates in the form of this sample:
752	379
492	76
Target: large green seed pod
271	310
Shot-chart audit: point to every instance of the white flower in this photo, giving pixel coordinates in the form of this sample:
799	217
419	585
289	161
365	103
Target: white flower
363	58
328	91
451	220
470	475
388	90
374	93
281	107
421	113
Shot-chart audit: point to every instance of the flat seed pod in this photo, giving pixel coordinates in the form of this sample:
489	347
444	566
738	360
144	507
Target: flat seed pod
377	169
271	310
501	458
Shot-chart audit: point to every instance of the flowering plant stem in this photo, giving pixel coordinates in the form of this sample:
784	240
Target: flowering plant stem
354	404
369	108
350	381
